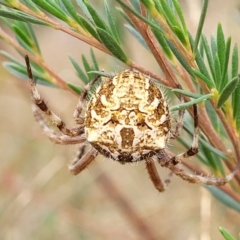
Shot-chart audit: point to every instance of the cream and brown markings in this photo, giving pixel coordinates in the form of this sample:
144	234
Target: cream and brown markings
127	118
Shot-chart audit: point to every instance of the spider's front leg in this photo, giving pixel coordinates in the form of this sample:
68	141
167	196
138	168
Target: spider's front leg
82	100
39	102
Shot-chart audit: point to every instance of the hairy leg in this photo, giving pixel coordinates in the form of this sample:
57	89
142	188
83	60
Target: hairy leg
82	101
194	148
62	139
82	159
154	176
39	102
176	132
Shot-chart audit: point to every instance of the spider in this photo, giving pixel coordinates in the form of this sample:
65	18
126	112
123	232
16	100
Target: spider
126	119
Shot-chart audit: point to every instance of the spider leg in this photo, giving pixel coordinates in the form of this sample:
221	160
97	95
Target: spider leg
192	178
174	163
194	148
82	100
39	102
154	176
62	139
82	160
176	132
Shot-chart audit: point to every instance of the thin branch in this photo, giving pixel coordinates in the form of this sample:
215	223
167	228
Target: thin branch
153	45
85	38
56	80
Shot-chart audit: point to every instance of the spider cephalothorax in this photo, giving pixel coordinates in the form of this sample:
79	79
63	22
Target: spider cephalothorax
127	119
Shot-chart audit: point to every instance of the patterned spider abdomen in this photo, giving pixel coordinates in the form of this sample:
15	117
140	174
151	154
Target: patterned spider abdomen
127	118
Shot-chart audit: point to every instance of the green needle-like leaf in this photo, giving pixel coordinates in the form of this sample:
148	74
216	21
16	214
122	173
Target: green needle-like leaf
52	8
181	35
31	5
17	15
218	73
235	61
22	34
148	3
207	80
85	10
87	67
236	94
137	35
80	72
94	60
203	70
75	88
226	234
34	39
169	15
163	43
209	55
221	46
135	13
20	71
213	46
185	93
97	19
200	25
224	198
111	22
72	11
180	58
89	27
190	103
227	91
180	15
224	79
112	45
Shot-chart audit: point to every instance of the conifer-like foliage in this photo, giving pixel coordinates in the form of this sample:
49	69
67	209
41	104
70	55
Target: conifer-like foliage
207	68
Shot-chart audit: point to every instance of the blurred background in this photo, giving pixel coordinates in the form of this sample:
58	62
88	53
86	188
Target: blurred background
40	199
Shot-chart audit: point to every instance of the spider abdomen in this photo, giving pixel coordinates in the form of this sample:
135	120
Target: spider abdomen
127	118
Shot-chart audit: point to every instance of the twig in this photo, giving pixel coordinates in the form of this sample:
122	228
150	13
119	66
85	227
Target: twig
155	49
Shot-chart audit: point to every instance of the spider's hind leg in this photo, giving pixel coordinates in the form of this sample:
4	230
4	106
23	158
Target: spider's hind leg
154	176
